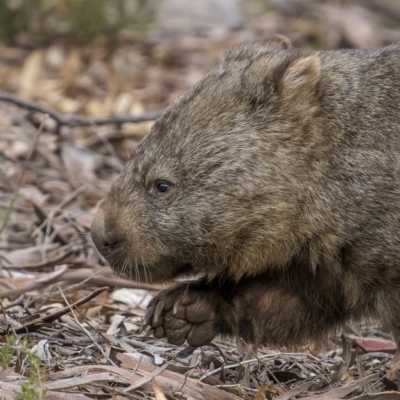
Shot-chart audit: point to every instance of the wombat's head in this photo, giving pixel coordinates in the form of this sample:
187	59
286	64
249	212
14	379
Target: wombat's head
211	190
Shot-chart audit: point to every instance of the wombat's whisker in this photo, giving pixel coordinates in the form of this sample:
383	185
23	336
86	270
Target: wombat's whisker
127	268
121	268
130	265
146	269
136	269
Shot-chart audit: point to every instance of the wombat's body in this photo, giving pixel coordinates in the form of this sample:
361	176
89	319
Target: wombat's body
277	180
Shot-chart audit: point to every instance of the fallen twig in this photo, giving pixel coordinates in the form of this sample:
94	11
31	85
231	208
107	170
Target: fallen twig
62	258
172	381
346	389
37	284
34	321
147	378
295	391
102	352
78	120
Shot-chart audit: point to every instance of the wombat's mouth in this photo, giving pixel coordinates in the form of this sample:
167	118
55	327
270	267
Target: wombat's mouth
127	261
155	273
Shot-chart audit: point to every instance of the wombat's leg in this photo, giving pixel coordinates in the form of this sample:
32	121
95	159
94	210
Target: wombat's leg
261	312
269	313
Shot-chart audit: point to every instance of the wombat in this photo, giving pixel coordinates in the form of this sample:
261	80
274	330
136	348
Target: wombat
276	182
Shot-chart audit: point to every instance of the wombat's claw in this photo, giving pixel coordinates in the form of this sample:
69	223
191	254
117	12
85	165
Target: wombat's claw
157	316
176	305
146	330
153	316
148	315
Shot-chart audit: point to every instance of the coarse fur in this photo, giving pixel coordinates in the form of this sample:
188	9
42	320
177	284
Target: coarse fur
283	175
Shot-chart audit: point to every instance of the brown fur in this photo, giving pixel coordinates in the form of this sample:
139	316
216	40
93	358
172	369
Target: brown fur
283	169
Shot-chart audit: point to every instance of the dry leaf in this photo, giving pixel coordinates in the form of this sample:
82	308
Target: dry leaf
157	391
31	74
260	395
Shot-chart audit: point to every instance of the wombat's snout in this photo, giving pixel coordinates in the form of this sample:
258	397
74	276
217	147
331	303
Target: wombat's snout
104	240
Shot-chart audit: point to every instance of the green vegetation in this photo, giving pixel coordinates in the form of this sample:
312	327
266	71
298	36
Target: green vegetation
6	352
81	20
32	389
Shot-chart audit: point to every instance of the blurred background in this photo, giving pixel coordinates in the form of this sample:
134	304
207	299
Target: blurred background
124	56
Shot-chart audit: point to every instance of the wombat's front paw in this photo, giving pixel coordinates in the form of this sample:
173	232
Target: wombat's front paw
184	313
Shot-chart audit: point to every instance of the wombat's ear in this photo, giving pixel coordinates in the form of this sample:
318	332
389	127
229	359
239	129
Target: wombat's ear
299	84
277	41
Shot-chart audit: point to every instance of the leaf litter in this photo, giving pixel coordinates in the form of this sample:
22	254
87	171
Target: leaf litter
69	118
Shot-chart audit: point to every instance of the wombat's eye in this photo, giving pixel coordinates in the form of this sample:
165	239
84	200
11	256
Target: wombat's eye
162	186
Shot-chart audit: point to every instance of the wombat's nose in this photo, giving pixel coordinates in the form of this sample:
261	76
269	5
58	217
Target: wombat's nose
104	240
